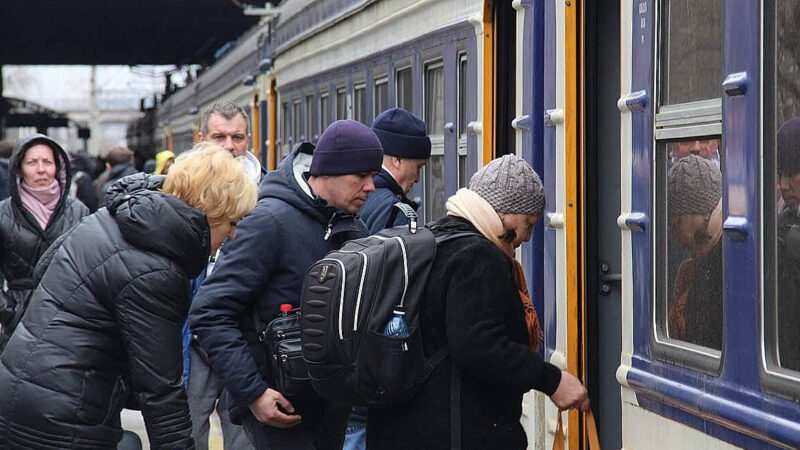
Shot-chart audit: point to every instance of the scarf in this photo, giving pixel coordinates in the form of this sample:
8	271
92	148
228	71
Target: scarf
41	202
472	207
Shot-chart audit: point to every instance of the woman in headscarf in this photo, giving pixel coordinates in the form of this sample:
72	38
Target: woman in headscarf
38	211
104	323
477	306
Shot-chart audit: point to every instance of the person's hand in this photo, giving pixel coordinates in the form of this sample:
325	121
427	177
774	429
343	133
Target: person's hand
273	409
570	393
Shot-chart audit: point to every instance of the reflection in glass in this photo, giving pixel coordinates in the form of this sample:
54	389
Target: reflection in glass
786	128
691	66
296	118
324	114
309	122
694	244
435	197
341	104
462	171
360	104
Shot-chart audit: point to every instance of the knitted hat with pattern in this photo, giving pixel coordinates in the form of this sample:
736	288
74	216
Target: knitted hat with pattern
694	186
510	185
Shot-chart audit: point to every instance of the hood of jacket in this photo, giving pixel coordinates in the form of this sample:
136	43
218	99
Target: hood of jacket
63	176
143	213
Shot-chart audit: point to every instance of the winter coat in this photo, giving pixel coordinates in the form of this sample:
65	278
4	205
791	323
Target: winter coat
263	267
380	203
22	239
473	308
104	327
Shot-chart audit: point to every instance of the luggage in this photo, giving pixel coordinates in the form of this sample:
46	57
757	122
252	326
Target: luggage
361	312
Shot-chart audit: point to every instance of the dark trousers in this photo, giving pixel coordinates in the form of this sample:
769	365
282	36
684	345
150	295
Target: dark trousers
326	434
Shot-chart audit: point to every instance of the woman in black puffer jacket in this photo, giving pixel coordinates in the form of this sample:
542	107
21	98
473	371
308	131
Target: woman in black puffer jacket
103	327
477	306
38	211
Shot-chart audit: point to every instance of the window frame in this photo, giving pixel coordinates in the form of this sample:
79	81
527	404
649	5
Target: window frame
406	67
360	86
342	90
324	110
381	81
774	378
437	140
462	69
671	123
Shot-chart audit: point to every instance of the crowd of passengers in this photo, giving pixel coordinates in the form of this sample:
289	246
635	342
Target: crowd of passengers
156	300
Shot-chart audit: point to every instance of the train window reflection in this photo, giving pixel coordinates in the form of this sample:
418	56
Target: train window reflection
690	242
324	113
309	119
462	120
434	98
691	53
284	129
782	151
435	194
296	121
405	93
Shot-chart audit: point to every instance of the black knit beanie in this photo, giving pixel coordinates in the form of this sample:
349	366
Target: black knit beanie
695	186
347	147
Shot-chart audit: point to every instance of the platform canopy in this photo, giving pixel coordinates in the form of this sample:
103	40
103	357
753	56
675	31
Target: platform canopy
125	32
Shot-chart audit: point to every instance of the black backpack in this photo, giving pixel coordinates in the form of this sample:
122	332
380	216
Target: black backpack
348	299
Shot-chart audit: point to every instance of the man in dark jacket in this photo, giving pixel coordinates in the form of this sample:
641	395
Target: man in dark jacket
306	208
406	149
119	164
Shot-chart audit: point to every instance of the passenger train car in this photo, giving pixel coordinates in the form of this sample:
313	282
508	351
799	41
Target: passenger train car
603	98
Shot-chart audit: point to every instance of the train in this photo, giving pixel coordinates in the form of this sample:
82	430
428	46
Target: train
601	99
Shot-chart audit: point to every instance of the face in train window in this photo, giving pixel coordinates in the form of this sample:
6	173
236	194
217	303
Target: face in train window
690	242
782	188
691	53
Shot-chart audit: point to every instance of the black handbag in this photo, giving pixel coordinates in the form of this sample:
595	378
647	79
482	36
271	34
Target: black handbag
283	340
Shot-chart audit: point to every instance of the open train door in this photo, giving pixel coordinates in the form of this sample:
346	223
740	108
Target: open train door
581	166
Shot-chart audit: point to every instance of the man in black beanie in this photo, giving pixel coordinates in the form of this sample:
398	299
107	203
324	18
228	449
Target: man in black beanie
306	208
406	149
788	236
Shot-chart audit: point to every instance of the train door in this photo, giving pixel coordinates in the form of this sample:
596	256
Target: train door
600	89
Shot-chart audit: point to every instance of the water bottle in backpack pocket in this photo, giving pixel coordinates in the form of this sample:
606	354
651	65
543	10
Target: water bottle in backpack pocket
283	340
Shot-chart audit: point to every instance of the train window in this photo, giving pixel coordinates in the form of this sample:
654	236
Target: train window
433	101
341	104
781	190
381	95
360	103
691	53
324	113
285	130
462	121
296	121
405	89
309	119
689	274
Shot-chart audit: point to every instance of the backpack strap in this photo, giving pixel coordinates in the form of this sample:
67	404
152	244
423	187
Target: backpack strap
407	211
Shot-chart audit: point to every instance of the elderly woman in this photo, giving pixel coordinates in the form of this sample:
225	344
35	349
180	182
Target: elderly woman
38	211
477	306
104	324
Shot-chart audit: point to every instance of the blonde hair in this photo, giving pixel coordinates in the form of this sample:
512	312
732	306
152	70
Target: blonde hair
209	178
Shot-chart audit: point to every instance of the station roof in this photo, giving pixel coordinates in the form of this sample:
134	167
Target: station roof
124	32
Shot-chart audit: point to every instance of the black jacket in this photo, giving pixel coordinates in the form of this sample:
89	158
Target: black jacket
378	209
261	268
118	171
22	239
472	307
104	327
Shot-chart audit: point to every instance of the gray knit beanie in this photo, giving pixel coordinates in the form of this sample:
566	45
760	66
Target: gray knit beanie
695	186
510	185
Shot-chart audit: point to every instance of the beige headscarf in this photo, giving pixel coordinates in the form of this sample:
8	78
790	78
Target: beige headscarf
470	206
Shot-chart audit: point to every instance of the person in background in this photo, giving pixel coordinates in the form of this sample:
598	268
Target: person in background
695	219
6	148
306	208
149	166
104	323
223	124
82	187
164	160
406	149
38	211
119	164
479	308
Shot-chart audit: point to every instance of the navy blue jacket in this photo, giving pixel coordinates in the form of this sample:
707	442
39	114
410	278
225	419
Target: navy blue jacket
261	268
376	212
